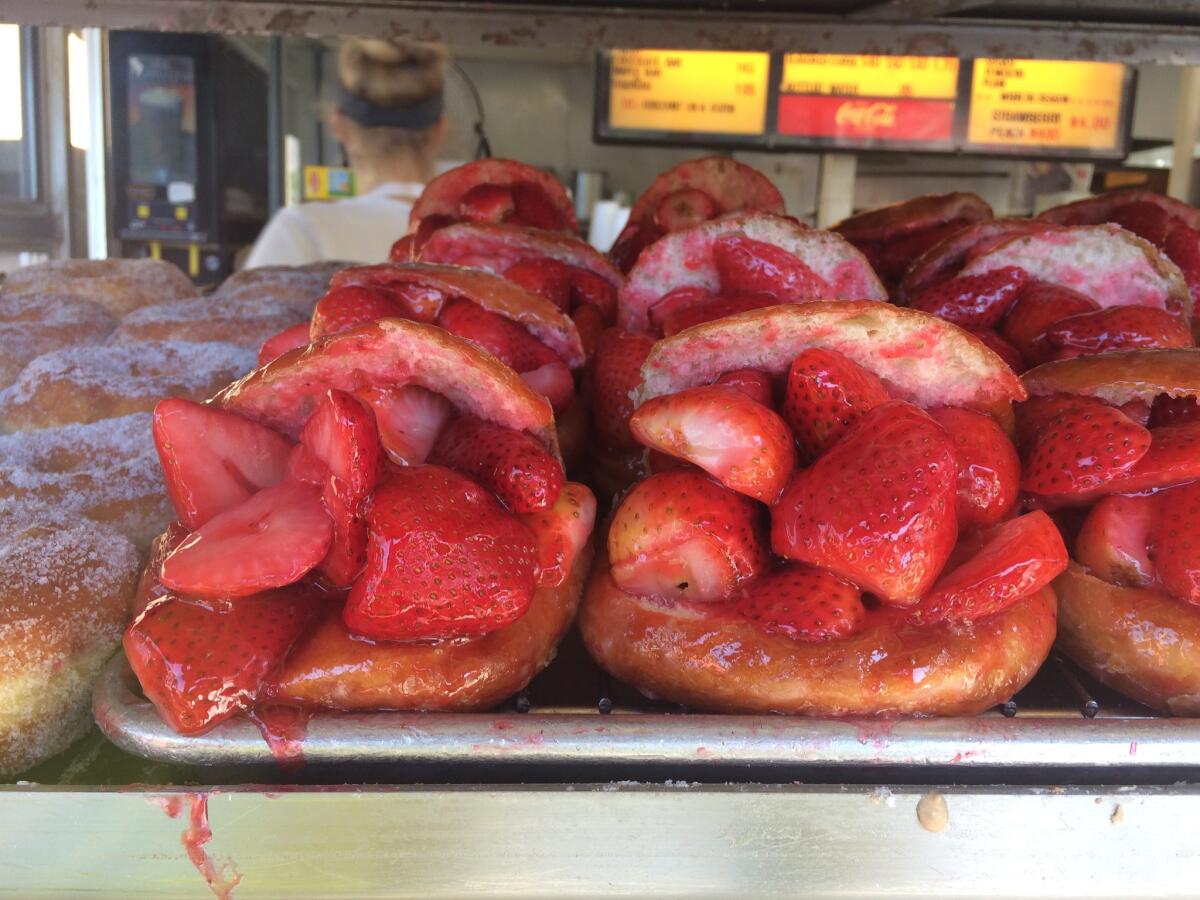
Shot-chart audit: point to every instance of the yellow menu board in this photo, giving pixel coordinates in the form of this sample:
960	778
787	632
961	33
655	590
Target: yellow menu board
843	75
695	91
1050	104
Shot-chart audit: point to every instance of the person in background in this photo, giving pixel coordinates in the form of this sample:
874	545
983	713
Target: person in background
388	117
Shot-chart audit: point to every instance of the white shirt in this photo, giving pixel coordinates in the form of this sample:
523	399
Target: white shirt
358	229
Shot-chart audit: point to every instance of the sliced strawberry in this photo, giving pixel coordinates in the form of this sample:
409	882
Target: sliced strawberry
802	603
1145	219
1038	307
1175	541
657	461
1002	348
403	250
419	302
200	662
709	310
534	209
633	239
1117	328
877	508
546	277
617	372
741	443
1168	410
513	465
1182	246
351	306
1113	542
679	299
505	339
680	535
588	288
561	531
273	539
149	588
279	344
1019	557
590	324
747	266
487	203
684	208
341	435
754	383
989	470
409	419
1083	448
553	381
444	560
1137	410
214	460
826	393
974	301
1036	413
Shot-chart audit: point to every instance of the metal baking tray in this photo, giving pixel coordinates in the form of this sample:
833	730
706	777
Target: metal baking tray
574	718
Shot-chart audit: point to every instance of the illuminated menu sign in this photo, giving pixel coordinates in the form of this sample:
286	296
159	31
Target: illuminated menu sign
868	100
688	92
1030	103
819	101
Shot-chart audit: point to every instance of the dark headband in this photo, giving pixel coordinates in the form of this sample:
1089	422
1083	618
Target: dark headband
415	116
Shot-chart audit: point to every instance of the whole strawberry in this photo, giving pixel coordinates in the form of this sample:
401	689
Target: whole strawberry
802	603
878	508
747	266
826	393
616	374
974	301
444	560
348	307
1039	306
503	338
515	466
1117	328
1083	448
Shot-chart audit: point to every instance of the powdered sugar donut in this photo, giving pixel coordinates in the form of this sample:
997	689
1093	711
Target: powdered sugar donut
106	470
299	287
118	285
33	324
67	585
86	384
240	319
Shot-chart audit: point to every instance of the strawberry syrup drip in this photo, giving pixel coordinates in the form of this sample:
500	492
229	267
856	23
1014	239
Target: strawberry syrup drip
284	729
221	879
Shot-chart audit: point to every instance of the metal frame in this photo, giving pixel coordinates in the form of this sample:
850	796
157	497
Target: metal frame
915	27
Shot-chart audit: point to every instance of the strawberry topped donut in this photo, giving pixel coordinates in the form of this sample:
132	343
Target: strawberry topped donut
488	191
737	262
1113	449
692	192
892	236
1053	292
311	568
836	536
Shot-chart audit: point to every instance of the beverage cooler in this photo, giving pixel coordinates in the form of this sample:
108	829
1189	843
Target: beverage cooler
578	782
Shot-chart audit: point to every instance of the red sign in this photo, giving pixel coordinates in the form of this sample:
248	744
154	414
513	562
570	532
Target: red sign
866	119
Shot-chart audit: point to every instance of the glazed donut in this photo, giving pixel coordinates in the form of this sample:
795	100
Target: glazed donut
86	384
105	470
298	287
118	285
892	236
67	586
697	612
31	325
1120	624
333	670
243	320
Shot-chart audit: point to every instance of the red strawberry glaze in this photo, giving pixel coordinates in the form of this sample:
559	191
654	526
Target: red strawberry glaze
221	879
284	729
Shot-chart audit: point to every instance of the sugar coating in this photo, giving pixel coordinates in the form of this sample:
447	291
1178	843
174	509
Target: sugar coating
106	470
118	285
67	587
54	310
238	319
299	287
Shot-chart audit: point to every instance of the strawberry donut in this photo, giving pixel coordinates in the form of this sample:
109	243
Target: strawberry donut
87	384
32	324
488	191
106	471
852	548
67	587
892	236
245	320
299	287
691	193
1112	445
117	285
1053	292
737	262
379	520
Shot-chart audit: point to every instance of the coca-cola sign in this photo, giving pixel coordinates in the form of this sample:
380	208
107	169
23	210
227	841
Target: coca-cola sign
866	115
919	121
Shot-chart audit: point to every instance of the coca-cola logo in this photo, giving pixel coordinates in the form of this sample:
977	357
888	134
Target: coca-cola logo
866	115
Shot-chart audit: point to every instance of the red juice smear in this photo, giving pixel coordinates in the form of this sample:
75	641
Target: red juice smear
222	879
284	729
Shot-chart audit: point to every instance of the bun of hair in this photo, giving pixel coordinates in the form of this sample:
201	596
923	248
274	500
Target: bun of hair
391	73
